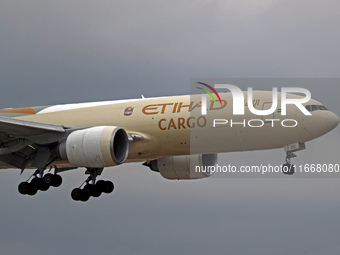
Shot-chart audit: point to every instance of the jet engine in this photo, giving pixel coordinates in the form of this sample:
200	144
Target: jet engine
95	147
184	167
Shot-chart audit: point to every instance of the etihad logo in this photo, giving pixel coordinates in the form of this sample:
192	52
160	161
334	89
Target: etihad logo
178	121
178	107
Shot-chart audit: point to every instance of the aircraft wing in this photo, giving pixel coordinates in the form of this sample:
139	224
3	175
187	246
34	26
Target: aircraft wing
19	127
23	141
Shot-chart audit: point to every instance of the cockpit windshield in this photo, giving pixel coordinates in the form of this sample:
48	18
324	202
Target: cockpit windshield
312	108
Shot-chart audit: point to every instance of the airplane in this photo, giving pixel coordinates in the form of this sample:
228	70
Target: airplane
169	134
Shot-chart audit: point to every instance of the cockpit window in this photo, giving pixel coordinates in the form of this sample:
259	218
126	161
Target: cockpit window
312	108
322	108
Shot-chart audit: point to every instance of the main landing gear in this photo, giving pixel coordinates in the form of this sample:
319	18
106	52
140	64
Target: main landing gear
92	188
39	182
288	168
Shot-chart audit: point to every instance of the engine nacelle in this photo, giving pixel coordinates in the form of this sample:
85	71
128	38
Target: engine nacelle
184	167
95	147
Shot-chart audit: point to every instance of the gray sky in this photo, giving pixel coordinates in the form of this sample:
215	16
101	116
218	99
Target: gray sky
75	51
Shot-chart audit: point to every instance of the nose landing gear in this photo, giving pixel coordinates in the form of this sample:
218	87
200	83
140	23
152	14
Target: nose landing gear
288	168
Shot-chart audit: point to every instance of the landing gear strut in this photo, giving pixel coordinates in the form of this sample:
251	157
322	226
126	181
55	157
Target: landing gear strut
92	188
39	182
288	168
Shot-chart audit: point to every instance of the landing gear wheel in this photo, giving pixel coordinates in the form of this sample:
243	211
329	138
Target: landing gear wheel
76	194
48	179
101	185
108	188
84	195
57	180
89	188
32	190
96	192
288	169
36	182
105	186
43	186
23	188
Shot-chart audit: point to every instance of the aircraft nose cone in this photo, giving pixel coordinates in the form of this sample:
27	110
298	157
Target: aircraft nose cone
332	120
